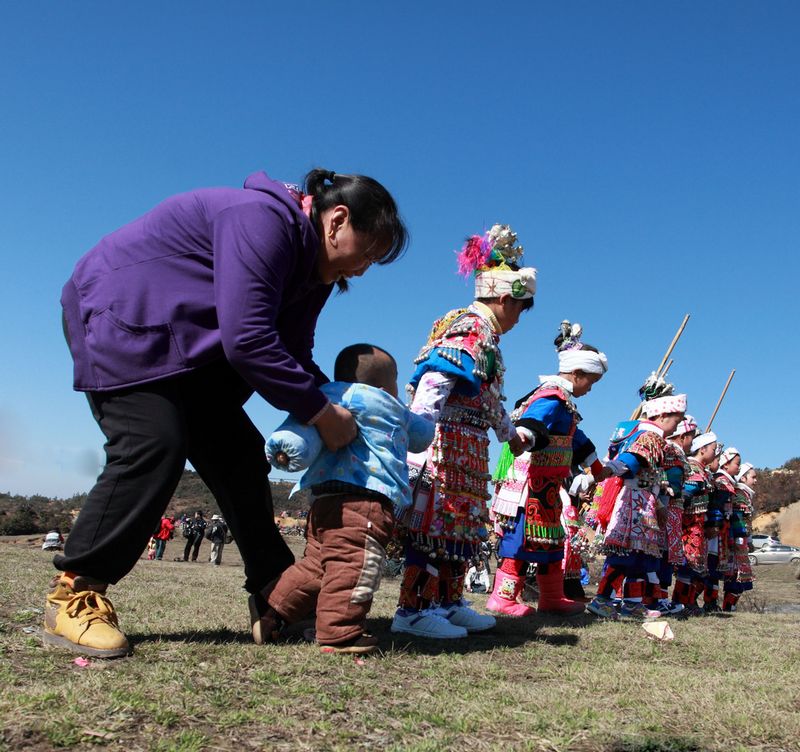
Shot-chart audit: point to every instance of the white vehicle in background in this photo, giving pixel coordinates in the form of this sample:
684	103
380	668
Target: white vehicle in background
53	541
759	540
773	553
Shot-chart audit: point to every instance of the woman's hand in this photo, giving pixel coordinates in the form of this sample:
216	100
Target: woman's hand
336	427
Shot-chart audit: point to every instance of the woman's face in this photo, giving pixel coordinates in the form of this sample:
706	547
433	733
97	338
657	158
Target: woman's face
345	252
750	478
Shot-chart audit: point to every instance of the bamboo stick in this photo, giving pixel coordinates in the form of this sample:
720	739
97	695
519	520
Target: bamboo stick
638	411
669	365
719	401
672	344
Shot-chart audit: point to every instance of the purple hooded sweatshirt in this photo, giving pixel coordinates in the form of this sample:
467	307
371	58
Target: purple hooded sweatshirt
210	274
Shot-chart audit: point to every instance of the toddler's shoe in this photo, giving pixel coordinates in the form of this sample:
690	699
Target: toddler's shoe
426	623
603	607
635	611
361	645
694	610
461	615
78	617
670	608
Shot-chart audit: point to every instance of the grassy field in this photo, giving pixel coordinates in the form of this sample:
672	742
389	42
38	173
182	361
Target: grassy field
196	682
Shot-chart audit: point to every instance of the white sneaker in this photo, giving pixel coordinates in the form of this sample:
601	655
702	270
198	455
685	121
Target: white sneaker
427	623
462	615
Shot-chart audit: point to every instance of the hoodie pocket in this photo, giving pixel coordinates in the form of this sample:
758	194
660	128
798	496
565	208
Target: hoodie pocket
124	353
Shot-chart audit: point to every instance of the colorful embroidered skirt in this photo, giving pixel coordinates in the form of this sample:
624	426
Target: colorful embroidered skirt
451	493
675	533
535	533
695	544
633	526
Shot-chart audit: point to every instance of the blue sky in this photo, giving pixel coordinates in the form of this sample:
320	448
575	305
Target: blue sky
647	155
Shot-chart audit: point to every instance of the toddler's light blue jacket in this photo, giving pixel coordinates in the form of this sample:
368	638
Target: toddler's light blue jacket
376	459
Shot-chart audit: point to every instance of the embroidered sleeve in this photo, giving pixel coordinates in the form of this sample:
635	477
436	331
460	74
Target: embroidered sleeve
504	428
649	448
431	394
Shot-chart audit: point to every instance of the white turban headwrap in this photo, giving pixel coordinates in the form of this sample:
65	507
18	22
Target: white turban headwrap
687	425
587	361
673	403
744	469
704	439
728	455
494	283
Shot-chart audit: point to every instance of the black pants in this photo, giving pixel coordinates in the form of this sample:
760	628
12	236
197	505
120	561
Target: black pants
193	542
151	431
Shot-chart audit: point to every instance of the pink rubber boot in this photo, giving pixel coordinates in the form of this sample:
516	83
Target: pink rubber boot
503	599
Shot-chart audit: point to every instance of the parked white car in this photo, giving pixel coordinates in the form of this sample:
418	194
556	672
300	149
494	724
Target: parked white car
773	553
759	540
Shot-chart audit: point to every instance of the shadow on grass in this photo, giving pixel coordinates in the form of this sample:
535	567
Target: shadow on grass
509	633
206	636
660	744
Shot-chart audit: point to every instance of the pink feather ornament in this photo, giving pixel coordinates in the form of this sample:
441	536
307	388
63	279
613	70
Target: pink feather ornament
474	254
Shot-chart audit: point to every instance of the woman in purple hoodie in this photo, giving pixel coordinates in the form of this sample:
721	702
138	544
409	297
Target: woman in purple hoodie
173	321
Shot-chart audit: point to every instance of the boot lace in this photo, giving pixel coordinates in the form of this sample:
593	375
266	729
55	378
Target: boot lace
89	606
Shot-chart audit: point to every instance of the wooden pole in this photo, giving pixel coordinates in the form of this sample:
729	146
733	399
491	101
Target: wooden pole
719	401
638	411
669	365
672	344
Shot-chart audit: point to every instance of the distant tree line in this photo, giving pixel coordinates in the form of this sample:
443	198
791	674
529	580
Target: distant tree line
31	515
778	488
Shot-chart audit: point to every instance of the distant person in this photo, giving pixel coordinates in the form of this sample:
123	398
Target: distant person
357	491
477	579
173	322
217	533
196	532
166	531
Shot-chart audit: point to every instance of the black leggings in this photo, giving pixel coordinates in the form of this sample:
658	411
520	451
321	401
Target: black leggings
151	431
193	542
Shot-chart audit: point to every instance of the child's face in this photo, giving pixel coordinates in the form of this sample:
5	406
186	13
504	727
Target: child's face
668	422
512	309
733	466
391	388
582	383
684	441
390	385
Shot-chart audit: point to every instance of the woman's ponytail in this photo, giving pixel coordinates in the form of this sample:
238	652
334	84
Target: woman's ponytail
373	211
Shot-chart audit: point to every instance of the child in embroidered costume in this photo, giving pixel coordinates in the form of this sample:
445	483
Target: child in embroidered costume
577	543
741	579
697	485
458	383
635	529
527	504
676	470
357	492
720	547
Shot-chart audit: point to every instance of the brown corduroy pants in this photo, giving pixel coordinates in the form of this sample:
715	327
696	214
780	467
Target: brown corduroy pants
346	537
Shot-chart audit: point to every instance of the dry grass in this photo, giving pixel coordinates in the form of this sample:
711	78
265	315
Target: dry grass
196	682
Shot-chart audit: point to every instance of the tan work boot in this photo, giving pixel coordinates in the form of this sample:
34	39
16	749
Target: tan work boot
80	618
265	622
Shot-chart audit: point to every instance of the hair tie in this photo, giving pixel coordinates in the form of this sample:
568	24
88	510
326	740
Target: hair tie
330	175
